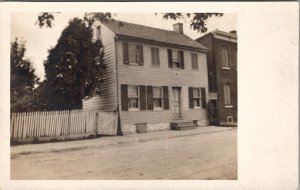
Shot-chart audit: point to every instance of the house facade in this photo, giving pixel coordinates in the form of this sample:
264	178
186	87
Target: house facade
153	76
222	74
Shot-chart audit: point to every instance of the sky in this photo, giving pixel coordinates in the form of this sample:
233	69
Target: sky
40	40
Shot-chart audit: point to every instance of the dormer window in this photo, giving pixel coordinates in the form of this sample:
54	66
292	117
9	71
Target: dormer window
176	59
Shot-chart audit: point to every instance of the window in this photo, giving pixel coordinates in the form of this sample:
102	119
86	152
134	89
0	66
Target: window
134	53
98	32
155	56
194	61
133	97
157	97
196	97
225	58
175	59
227	95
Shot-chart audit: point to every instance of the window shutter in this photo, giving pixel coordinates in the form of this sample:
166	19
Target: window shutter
166	97
191	97
150	97
143	97
203	98
181	57
170	58
125	53
140	54
124	97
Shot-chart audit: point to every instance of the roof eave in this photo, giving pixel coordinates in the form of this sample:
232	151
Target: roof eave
125	37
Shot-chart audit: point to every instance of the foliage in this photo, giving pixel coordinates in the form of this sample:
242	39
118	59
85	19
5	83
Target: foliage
198	20
73	67
22	78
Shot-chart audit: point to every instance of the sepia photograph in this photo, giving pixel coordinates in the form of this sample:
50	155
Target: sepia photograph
149	95
123	96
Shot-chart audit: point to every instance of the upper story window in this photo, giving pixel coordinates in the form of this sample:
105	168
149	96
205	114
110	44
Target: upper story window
155	56
133	97
225	58
133	54
98	32
194	61
176	59
227	95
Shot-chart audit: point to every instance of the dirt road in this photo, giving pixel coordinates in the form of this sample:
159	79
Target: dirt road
202	156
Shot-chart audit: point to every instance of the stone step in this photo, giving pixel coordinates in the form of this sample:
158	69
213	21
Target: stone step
181	123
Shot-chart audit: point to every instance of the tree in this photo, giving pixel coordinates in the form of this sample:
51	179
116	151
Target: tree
198	20
73	67
22	78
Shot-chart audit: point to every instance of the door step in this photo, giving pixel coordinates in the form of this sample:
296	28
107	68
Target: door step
183	125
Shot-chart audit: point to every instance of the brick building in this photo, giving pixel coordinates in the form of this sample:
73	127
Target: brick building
222	75
155	77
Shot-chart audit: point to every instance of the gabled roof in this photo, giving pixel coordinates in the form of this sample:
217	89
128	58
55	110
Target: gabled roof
220	35
153	34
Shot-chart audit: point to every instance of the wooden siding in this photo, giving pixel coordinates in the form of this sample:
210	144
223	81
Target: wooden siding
108	99
162	76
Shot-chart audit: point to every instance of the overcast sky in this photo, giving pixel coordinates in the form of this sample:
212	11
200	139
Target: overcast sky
39	40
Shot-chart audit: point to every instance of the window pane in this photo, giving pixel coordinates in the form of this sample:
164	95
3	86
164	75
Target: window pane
157	92
133	103
194	61
227	95
132	51
155	56
157	102
132	91
225	57
197	102
196	92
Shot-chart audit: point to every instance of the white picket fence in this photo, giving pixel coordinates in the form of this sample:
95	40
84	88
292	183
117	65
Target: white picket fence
62	123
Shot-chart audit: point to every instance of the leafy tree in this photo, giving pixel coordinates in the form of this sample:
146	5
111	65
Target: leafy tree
73	67
22	78
198	20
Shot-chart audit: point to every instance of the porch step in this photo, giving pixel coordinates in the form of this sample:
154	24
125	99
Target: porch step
182	125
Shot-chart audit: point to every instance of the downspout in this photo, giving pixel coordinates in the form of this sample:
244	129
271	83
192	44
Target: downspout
119	128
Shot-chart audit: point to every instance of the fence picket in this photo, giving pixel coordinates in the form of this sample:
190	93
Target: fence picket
62	123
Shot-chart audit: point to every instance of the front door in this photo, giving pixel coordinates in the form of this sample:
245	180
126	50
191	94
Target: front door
176	103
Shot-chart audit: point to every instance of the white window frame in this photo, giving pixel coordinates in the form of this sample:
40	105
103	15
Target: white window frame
161	97
227	96
198	97
136	97
194	57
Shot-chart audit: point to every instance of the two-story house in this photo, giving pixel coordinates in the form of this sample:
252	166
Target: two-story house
222	74
153	76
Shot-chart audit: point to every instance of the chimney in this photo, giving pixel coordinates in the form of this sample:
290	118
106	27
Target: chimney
233	32
178	27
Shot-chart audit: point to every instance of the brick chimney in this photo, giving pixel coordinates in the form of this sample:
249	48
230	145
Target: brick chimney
178	27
